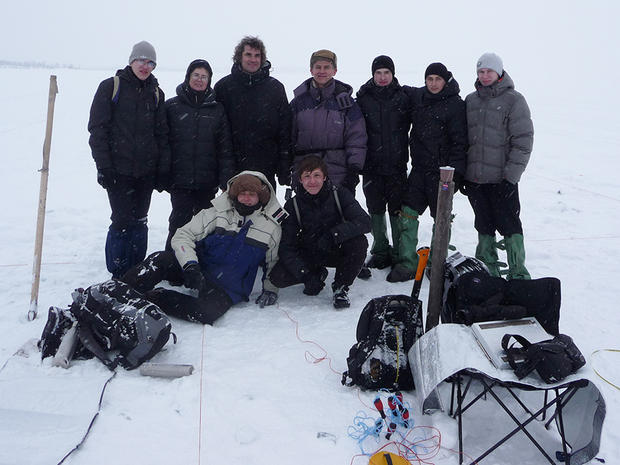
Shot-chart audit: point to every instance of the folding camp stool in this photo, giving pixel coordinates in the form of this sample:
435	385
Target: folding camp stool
562	396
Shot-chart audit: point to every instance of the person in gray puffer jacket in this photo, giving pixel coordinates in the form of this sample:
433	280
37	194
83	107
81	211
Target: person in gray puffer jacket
327	122
501	135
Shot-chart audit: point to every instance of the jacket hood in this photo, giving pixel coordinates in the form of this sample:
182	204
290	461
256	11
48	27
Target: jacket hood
371	88
273	210
497	88
250	79
450	89
335	87
127	74
189	96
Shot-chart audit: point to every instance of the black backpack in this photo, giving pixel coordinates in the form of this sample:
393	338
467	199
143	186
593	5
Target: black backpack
553	359
472	295
387	328
115	323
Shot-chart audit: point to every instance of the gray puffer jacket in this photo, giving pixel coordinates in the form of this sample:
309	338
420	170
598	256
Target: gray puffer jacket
500	131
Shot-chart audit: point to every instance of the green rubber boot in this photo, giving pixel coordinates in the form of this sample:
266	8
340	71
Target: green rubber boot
515	251
408	241
487	252
380	250
395	227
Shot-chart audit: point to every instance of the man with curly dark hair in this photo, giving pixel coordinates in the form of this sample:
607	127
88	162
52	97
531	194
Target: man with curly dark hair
258	112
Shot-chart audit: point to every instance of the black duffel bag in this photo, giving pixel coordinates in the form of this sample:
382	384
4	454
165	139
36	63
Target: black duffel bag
553	359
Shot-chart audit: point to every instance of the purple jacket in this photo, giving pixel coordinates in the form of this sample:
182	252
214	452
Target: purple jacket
327	122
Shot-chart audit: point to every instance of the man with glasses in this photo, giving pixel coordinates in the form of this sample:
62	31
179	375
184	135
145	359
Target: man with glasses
129	142
202	156
258	112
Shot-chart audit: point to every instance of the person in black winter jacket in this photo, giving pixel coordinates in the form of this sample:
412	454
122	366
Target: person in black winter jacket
258	112
326	227
129	142
202	157
438	138
385	105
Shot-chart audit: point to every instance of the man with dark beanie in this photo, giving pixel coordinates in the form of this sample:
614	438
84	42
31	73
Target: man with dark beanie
438	138
501	136
129	142
200	144
218	253
258	112
385	106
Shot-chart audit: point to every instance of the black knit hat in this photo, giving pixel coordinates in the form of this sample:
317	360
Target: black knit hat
382	61
200	63
438	69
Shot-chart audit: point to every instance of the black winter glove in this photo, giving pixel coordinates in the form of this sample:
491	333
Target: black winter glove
314	284
106	177
325	241
284	176
162	182
266	298
458	181
351	180
193	278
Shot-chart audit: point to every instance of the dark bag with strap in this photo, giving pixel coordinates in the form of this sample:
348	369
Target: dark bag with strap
118	325
472	295
387	328
553	359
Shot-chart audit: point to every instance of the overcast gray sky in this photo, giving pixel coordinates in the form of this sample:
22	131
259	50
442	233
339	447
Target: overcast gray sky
542	37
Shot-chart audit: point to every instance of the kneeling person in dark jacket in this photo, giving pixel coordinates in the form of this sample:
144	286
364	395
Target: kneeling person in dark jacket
325	228
218	253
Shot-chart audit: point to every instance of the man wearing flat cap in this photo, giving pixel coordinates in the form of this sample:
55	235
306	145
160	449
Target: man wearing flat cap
218	253
129	142
501	136
328	123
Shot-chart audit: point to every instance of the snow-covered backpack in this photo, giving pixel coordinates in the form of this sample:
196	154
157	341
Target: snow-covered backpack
387	328
472	295
115	323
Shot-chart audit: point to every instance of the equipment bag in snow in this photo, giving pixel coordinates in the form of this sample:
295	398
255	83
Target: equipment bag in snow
387	328
553	359
472	295
115	323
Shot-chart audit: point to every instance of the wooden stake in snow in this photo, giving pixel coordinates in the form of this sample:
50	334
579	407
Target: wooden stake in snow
38	245
440	245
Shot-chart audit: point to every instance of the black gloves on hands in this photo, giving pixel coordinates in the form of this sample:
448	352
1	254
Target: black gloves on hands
315	282
193	278
266	298
351	180
325	242
162	182
106	177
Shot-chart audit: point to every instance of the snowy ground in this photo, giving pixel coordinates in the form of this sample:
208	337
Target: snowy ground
260	394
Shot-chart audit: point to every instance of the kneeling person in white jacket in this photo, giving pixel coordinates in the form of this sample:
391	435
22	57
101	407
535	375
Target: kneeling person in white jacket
218	253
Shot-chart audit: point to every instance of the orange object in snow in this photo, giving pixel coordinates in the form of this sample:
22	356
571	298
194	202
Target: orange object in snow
387	458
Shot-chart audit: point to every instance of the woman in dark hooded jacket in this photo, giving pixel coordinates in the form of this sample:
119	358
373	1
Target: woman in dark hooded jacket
200	142
438	138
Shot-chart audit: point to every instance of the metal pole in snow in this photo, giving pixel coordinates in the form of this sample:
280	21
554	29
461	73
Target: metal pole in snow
38	245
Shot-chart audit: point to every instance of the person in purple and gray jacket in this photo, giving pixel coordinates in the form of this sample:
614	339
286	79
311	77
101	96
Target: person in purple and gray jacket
327	122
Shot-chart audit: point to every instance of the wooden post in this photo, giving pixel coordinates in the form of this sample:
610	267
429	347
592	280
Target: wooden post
38	246
440	245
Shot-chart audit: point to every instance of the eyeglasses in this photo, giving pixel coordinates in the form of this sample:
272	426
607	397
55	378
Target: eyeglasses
151	64
201	77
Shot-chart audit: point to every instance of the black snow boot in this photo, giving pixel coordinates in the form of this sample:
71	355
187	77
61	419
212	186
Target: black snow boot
341	296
